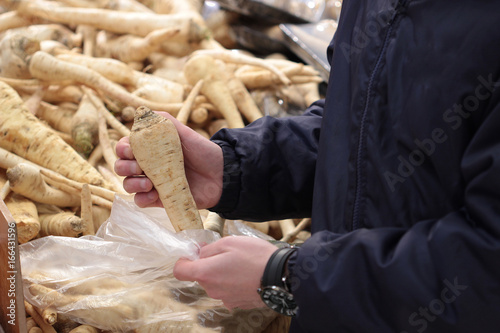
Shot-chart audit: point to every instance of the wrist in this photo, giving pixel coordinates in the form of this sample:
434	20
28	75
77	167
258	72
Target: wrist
275	290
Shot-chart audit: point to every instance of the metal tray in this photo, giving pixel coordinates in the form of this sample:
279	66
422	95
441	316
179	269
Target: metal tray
267	13
310	41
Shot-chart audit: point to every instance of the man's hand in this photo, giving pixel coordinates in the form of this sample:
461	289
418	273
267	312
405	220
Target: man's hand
203	162
230	270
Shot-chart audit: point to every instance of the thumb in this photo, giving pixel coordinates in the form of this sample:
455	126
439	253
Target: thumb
184	270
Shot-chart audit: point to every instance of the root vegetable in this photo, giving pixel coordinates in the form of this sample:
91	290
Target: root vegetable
57	117
291	232
119	72
33	103
88	35
46	67
229	56
202	132
216	125
25	215
61	224
243	99
86	211
100	215
11	20
157	148
199	115
46	328
48	314
5	190
84	329
62	94
185	110
95	156
53	47
112	69
110	119
107	150
135	23
30	323
85	126
203	67
15	51
111	177
214	222
130	48
53	32
23	134
98	191
26	180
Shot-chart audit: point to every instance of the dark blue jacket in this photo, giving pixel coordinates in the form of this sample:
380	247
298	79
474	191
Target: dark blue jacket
399	169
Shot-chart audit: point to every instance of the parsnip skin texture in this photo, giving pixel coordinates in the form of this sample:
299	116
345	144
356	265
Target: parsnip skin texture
26	136
157	148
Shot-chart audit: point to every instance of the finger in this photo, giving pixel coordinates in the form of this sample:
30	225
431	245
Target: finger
184	270
210	250
147	199
127	168
123	149
137	184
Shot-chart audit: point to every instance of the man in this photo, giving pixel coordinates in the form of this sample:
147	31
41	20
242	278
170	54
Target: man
399	168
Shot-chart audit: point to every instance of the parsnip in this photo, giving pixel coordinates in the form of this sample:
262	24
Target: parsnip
135	23
23	134
58	118
16	50
53	32
84	329
85	126
11	19
26	180
86	211
184	112
214	222
239	58
130	48
199	115
117	71
46	328
46	67
203	67
25	215
61	224
30	323
157	148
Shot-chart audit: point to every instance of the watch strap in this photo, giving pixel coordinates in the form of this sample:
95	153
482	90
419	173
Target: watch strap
273	273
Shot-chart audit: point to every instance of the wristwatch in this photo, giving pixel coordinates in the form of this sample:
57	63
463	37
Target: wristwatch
275	290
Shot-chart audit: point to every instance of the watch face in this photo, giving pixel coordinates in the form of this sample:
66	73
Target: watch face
279	300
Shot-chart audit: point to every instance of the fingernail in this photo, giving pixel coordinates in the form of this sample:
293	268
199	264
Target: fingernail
151	195
144	184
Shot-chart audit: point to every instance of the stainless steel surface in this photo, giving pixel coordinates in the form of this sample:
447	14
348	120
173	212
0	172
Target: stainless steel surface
310	41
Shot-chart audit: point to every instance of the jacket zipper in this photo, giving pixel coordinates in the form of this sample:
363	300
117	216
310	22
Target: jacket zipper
361	142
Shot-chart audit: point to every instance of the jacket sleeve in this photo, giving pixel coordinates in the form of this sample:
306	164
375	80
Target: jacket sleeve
431	277
269	167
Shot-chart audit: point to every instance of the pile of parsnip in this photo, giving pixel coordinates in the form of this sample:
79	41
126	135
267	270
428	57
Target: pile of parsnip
72	74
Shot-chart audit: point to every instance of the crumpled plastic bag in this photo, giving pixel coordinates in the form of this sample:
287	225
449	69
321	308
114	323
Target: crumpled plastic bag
121	279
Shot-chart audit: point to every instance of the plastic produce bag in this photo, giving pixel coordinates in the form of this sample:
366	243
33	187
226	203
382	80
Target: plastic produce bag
121	280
